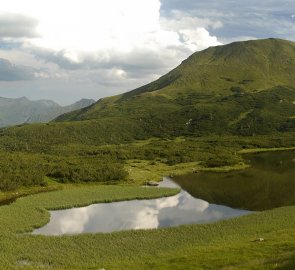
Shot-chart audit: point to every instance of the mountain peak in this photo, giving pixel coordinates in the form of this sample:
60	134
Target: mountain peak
234	87
262	63
14	111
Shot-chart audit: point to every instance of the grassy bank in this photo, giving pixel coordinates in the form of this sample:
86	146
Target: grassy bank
140	171
259	150
10	196
30	212
227	244
223	245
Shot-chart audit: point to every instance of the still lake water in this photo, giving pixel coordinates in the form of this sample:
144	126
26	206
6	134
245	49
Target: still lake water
268	183
137	214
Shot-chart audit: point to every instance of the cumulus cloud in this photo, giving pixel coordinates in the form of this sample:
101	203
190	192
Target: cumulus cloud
146	218
110	45
133	51
10	72
100	48
17	26
112	31
192	31
198	39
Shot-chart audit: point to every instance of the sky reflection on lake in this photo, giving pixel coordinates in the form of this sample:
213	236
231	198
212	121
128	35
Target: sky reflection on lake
137	214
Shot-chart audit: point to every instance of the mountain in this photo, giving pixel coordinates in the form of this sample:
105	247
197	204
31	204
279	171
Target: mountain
22	110
241	88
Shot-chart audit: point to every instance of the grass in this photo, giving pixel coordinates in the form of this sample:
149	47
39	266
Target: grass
222	245
258	150
10	196
207	94
242	116
206	104
227	244
140	171
31	212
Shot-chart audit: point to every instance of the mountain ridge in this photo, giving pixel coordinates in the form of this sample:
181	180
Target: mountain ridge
223	56
238	70
15	111
238	96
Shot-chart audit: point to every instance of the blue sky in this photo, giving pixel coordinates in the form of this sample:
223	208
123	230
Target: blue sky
67	50
241	19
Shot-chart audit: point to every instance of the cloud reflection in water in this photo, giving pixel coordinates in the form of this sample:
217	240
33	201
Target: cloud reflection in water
137	214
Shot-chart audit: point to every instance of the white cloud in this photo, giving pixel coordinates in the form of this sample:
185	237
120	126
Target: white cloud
74	221
109	45
179	20
146	218
192	30
102	29
83	26
17	26
198	39
172	201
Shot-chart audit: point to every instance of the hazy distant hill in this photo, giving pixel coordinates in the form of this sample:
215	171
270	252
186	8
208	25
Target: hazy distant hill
22	110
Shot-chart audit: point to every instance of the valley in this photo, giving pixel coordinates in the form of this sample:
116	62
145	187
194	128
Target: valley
200	124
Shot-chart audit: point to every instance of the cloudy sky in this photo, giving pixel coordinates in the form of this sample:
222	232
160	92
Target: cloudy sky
67	50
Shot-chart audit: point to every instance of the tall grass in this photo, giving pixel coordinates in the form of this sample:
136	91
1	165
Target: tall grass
211	246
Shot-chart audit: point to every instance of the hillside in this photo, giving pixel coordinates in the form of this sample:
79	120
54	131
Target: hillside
193	127
241	88
253	65
244	88
22	110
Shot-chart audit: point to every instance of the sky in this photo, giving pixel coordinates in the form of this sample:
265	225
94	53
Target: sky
67	50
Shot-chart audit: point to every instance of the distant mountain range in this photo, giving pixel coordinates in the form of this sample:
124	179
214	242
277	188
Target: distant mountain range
22	110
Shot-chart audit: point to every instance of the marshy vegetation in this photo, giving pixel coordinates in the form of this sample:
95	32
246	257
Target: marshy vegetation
78	163
185	246
177	124
229	242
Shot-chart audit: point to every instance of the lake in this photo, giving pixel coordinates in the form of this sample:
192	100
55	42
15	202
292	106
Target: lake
268	183
137	214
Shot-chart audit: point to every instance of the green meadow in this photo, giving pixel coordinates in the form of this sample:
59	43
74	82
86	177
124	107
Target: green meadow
203	117
227	244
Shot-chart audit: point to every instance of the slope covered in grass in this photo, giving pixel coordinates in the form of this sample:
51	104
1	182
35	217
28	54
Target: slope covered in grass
241	88
244	88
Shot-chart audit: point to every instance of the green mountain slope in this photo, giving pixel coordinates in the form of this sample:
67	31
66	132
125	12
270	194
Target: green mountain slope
254	65
244	88
76	146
